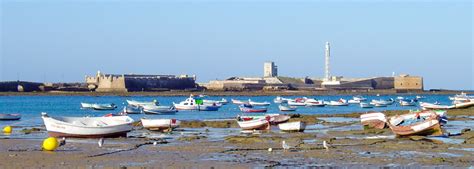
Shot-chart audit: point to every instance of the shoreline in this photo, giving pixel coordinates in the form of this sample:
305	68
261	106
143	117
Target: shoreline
219	144
232	93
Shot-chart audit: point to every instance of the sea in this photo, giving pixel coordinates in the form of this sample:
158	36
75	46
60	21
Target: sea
31	107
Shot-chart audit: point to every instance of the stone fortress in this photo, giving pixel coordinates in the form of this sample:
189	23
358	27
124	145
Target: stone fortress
132	82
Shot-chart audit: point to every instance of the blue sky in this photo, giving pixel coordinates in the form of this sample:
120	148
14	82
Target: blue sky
65	40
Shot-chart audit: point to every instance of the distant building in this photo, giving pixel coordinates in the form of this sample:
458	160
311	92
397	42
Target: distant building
329	80
246	83
407	82
131	82
270	69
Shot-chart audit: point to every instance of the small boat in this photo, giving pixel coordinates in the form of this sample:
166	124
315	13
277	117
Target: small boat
427	106
443	119
461	97
420	97
359	98
238	102
297	126
160	124
141	103
365	105
382	102
415	124
196	104
95	127
295	103
274	119
286	108
246	108
131	110
280	100
10	116
400	98
354	101
256	124
153	109
104	106
314	102
253	103
223	101
379	105
407	103
373	120
87	105
340	102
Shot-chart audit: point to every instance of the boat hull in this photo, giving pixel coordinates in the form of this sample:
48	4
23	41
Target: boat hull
160	124
373	120
429	126
292	126
258	124
10	117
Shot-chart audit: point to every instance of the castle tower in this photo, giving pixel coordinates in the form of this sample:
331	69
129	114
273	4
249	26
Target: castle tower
270	69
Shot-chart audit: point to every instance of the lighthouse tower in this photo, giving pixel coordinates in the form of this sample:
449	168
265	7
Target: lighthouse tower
328	79
327	74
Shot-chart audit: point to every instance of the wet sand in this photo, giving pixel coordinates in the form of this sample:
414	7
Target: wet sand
220	144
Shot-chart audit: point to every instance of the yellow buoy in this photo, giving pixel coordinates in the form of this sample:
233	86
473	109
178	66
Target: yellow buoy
7	129
50	144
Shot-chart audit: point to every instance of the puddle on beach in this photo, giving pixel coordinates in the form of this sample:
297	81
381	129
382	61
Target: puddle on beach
339	119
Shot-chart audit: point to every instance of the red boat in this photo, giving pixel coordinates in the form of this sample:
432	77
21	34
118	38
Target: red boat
251	109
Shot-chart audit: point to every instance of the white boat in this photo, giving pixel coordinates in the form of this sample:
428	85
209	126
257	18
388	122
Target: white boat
196	104
415	124
223	101
153	109
104	106
373	120
359	98
286	108
340	102
420	97
238	102
382	102
427	106
379	105
253	103
400	98
160	124
10	116
354	101
297	126
87	105
97	127
255	124
407	103
131	110
461	97
464	104
365	105
280	100
314	102
295	103
141	103
274	119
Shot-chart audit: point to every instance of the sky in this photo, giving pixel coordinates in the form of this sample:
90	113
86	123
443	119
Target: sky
62	41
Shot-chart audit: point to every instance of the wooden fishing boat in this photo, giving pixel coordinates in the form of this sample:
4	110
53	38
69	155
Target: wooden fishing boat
10	116
104	106
223	101
295	103
373	120
160	124
274	119
141	103
131	110
153	109
286	108
427	106
254	103
256	124
415	124
280	100
246	108
296	126
196	104
340	102
359	98
238	102
365	105
95	127
314	102
87	105
354	101
407	103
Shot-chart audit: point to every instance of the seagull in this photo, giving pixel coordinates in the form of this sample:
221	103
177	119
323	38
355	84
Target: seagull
284	145
101	142
155	143
270	149
62	142
325	145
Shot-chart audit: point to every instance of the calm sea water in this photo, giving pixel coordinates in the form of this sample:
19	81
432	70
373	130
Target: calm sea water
31	106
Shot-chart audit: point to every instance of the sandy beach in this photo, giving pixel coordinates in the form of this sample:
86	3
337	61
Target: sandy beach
219	144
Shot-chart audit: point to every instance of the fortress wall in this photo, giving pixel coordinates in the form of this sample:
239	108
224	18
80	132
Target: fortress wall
149	83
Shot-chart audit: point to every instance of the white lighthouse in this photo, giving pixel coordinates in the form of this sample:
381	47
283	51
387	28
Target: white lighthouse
328	79
327	74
